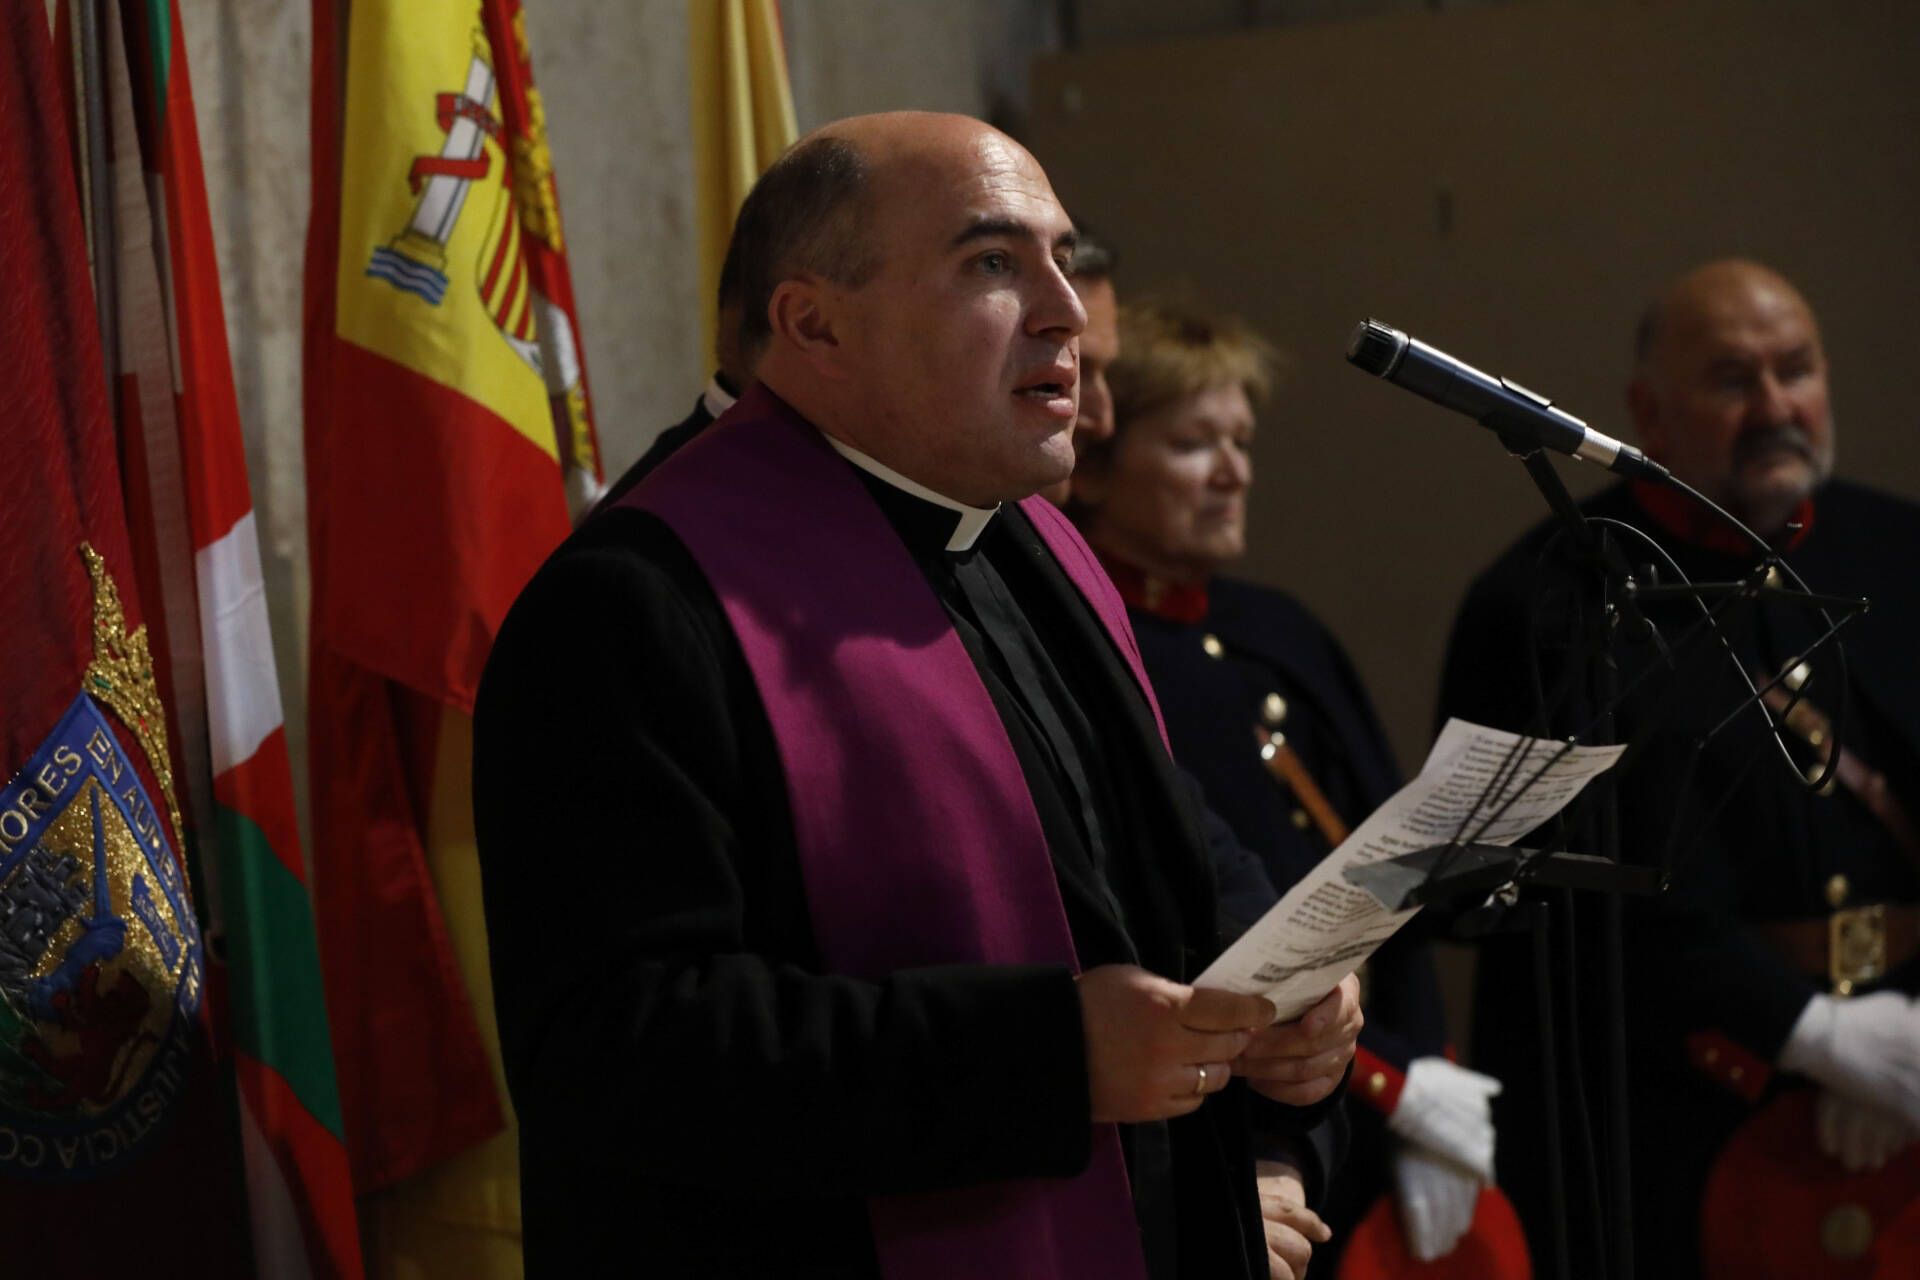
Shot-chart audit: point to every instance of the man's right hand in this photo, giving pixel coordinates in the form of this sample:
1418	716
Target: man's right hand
1292	1228
1155	1048
1436	1198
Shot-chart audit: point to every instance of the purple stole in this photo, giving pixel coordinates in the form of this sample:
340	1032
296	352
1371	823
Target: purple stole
917	837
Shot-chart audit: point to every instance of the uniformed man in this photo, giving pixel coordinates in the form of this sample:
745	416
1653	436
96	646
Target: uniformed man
1784	956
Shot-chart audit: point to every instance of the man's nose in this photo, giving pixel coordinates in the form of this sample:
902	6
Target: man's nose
1096	409
1770	402
1057	310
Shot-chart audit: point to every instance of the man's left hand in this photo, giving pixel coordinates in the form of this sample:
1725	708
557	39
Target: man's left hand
1862	1137
1301	1062
1448	1111
1292	1228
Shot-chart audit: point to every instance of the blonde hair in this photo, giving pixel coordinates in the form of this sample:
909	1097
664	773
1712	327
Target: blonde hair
1169	351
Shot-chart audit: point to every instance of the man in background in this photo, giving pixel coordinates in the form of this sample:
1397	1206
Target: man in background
1772	985
728	382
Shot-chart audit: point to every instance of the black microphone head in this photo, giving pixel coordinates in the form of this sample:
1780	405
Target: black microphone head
1375	347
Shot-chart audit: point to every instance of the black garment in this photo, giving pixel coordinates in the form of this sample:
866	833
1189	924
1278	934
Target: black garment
1695	966
664	446
1270	646
1245	889
693	1092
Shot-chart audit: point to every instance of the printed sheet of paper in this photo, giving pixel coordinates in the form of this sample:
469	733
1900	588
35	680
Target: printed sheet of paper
1325	926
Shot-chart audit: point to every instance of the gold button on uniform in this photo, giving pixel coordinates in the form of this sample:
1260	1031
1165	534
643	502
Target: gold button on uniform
1301	819
1837	890
1211	643
1274	709
1377	1083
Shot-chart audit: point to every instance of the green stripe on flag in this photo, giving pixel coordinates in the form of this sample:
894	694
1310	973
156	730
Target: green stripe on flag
160	40
279	1011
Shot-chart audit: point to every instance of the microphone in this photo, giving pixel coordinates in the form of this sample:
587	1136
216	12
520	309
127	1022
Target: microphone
1522	417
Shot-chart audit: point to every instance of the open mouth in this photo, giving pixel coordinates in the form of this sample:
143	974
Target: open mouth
1052	396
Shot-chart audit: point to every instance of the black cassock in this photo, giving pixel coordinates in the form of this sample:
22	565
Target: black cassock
1710	1000
694	1094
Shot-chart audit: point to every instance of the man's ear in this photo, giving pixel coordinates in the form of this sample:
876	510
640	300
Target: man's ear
1643	406
804	313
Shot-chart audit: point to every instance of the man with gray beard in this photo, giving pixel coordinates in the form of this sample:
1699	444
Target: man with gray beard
1770	990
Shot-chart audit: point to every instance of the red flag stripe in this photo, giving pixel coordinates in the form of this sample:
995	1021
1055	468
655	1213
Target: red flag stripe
514	281
524	328
310	1157
502	244
261	788
416	1085
215	455
421	498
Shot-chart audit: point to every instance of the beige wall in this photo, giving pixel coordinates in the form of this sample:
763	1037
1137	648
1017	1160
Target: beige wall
970	56
1507	183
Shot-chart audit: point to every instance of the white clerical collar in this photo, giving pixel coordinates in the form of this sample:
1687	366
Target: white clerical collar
973	520
716	398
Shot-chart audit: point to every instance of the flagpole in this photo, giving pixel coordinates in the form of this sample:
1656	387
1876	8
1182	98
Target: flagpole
93	112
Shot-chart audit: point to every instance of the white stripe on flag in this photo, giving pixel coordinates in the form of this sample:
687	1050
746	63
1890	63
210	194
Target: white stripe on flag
243	693
279	1241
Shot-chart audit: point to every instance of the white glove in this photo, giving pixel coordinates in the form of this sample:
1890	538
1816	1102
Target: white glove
1445	1109
1436	1199
1860	1136
1867	1050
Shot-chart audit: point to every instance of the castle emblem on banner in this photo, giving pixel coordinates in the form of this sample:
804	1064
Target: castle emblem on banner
514	195
100	956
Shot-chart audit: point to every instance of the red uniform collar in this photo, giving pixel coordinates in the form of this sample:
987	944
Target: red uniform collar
1694	525
1176	602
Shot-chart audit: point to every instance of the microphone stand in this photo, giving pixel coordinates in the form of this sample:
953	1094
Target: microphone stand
1597	549
1462	873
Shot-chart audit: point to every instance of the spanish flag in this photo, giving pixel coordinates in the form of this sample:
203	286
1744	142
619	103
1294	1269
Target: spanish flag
742	119
448	430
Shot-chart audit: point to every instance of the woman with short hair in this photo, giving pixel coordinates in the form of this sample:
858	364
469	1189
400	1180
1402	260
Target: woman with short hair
1263	706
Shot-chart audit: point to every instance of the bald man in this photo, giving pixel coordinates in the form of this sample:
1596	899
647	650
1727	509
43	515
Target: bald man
843	898
1739	999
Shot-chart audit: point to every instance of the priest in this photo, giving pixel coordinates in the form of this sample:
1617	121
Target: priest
847	734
